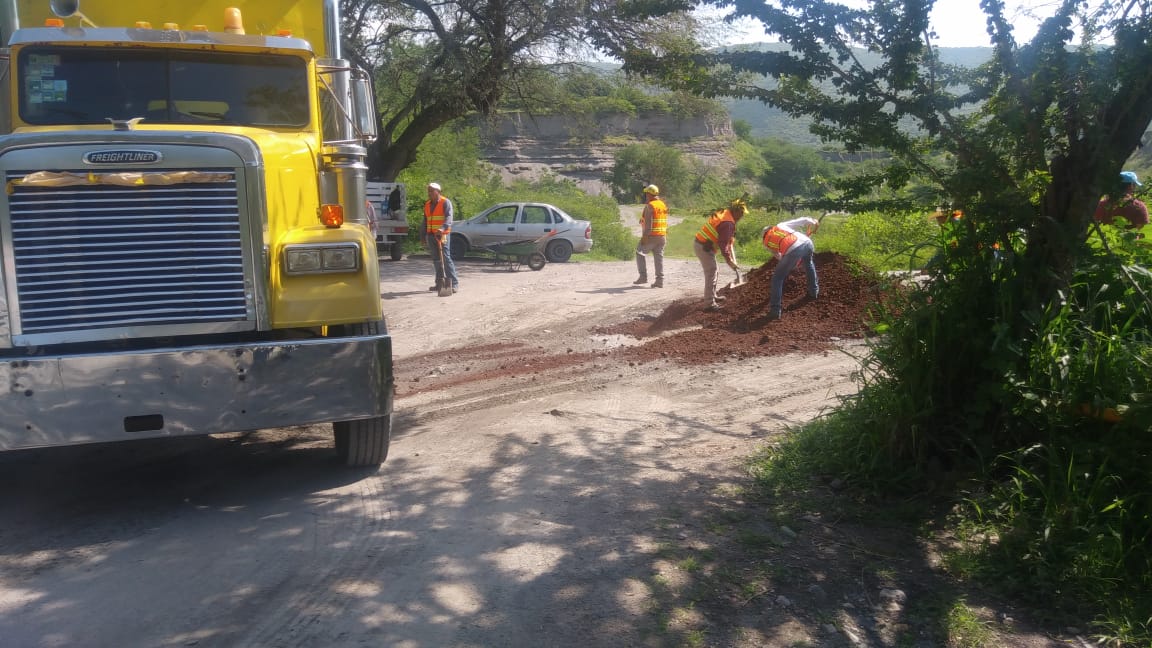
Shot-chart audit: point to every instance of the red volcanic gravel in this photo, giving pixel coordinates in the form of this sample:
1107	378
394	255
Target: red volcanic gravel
741	327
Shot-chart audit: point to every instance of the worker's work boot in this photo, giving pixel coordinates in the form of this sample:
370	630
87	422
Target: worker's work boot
640	280
659	283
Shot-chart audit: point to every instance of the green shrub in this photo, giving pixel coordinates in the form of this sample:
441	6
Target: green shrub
881	241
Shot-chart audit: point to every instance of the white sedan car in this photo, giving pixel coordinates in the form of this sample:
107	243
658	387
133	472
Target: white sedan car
511	223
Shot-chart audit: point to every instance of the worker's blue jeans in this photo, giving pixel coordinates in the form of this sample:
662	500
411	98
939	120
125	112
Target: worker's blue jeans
801	252
449	268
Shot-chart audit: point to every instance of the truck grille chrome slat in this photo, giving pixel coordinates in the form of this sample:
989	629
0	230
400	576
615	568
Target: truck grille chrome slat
109	256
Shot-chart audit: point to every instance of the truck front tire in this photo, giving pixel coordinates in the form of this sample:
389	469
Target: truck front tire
364	442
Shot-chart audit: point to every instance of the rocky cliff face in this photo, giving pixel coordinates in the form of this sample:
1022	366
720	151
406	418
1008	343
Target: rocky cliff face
582	148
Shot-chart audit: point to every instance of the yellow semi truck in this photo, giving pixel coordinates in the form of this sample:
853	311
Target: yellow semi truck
184	233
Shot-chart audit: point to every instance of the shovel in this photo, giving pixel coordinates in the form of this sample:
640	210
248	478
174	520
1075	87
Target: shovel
443	288
740	280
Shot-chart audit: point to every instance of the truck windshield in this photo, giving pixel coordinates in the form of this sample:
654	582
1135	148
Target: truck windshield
71	85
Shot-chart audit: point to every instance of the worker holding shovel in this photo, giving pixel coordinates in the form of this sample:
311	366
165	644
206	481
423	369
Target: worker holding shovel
791	247
718	237
437	226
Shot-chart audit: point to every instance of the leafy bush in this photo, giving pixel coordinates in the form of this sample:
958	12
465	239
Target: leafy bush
882	241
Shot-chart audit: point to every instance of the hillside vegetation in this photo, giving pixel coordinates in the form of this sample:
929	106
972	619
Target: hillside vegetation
768	122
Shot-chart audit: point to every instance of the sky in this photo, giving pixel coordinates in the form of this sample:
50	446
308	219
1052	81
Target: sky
958	23
961	23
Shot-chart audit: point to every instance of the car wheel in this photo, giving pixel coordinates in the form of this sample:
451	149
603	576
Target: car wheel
536	261
559	251
397	250
458	246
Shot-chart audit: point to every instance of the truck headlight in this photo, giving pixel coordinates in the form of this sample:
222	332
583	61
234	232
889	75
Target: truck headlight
321	258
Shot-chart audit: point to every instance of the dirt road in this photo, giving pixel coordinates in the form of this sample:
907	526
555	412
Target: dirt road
562	504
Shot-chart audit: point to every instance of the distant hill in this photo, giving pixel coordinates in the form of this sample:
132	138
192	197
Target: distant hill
766	121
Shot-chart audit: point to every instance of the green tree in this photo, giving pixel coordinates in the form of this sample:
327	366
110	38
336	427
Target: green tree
437	62
793	170
641	164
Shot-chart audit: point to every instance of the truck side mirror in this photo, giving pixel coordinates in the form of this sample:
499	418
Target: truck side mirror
364	106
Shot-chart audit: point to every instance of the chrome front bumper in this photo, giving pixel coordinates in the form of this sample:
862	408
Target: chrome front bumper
93	398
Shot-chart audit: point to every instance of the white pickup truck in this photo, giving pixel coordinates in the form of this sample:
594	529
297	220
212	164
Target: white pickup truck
390	203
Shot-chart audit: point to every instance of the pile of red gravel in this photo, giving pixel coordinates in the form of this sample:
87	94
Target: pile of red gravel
742	329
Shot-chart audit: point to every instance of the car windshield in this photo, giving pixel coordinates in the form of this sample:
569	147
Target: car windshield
70	85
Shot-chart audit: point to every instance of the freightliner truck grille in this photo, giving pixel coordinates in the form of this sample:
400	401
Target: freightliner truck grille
108	256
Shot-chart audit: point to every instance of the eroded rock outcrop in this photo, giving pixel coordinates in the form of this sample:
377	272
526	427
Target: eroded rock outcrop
582	148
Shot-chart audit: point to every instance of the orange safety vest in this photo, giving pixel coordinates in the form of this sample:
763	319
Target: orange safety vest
779	240
659	217
434	215
710	231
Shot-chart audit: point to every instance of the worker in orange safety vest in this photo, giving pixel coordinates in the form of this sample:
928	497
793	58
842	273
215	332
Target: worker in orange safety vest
437	227
718	236
791	247
653	237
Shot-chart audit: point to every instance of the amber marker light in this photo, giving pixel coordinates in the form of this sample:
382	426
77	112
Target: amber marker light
233	21
171	27
53	22
143	24
332	215
284	32
203	28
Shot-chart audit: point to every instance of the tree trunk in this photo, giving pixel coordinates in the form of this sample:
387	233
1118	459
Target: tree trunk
1053	240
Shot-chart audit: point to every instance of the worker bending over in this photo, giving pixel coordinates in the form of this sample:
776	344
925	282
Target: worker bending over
791	247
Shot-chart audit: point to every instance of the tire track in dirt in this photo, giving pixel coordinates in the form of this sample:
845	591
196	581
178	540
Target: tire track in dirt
346	542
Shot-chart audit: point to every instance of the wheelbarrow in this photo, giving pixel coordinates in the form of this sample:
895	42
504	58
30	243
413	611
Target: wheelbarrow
529	252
